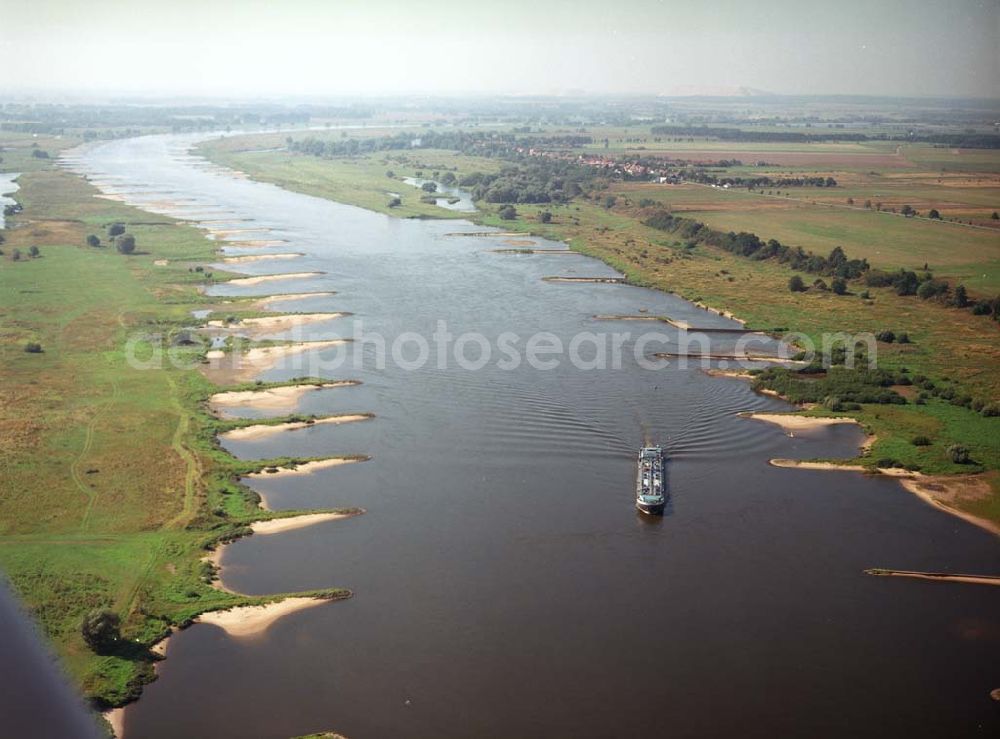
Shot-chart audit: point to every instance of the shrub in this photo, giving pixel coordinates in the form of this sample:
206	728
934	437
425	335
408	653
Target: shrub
93	240
101	629
839	286
933	213
958	454
885	336
125	243
33	347
921	441
545	217
795	284
116	229
429	187
990	410
395	202
508	213
864	295
903	338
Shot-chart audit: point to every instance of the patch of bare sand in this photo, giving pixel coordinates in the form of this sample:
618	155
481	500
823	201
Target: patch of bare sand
792	422
275	398
246	622
116	718
806	465
938	576
945	492
224	368
266	303
276	323
254	243
262	431
260	257
306	468
248	281
290	523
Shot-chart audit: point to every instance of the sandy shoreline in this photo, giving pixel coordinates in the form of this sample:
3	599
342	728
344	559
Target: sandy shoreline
249	281
937	576
807	465
609	280
244	622
306	468
261	257
275	398
265	303
791	422
262	431
290	523
116	717
227	369
729	357
287	320
939	491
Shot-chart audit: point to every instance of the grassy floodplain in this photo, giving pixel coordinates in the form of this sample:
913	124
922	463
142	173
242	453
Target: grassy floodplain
113	487
949	345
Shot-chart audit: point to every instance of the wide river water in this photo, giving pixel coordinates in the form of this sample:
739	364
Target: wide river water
504	584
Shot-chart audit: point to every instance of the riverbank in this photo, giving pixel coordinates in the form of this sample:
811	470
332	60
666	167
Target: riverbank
284	397
233	368
247	622
259	431
105	524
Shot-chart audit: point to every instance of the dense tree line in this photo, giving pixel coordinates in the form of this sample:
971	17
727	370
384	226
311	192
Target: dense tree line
476	143
707	178
532	180
751	246
960	140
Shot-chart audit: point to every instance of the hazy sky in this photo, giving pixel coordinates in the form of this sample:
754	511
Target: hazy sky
331	47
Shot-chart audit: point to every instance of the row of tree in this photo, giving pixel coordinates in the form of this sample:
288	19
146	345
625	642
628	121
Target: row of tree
749	245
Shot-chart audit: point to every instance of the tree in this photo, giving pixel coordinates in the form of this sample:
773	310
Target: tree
839	286
545	217
33	251
448	179
125	244
609	202
93	240
960	298
933	213
395	202
908	211
33	347
795	284
15	255
959	454
429	187
116	229
101	629
508	213
887	336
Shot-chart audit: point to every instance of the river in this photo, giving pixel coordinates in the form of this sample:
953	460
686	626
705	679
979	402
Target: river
504	584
